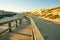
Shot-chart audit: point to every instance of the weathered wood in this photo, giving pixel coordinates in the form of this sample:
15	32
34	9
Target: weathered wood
3	31
9	24
16	24
28	18
20	21
8	21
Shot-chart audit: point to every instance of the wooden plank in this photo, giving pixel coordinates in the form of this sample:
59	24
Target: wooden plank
8	21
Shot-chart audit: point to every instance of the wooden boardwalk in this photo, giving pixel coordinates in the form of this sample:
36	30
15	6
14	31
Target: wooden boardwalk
23	32
27	30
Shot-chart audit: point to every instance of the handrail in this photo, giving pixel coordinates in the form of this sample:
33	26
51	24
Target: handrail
9	25
35	32
8	21
37	35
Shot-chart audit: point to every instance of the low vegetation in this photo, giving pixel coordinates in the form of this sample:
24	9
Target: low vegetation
52	14
6	14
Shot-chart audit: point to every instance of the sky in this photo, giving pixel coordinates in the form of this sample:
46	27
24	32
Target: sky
27	5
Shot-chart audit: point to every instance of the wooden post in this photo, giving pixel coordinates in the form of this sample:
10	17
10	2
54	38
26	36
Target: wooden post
16	24
20	21
9	24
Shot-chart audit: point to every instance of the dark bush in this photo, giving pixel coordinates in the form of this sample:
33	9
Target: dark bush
1	16
9	14
6	14
54	16
48	15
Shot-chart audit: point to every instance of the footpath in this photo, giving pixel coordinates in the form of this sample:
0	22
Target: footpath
26	31
23	32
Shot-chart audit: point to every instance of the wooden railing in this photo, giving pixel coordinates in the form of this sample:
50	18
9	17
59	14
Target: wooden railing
9	23
35	32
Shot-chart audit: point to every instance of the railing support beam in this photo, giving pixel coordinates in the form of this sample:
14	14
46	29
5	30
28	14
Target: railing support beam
16	24
9	24
20	21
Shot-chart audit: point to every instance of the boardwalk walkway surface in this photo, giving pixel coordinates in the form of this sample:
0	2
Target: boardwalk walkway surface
23	32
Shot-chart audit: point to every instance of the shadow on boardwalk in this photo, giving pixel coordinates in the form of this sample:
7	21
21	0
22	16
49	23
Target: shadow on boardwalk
19	31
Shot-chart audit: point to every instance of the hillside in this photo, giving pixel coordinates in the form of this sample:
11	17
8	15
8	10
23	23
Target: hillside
52	14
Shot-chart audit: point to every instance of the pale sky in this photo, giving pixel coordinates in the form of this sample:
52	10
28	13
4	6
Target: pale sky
27	5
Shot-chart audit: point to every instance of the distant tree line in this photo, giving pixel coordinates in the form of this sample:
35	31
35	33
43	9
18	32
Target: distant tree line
6	14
